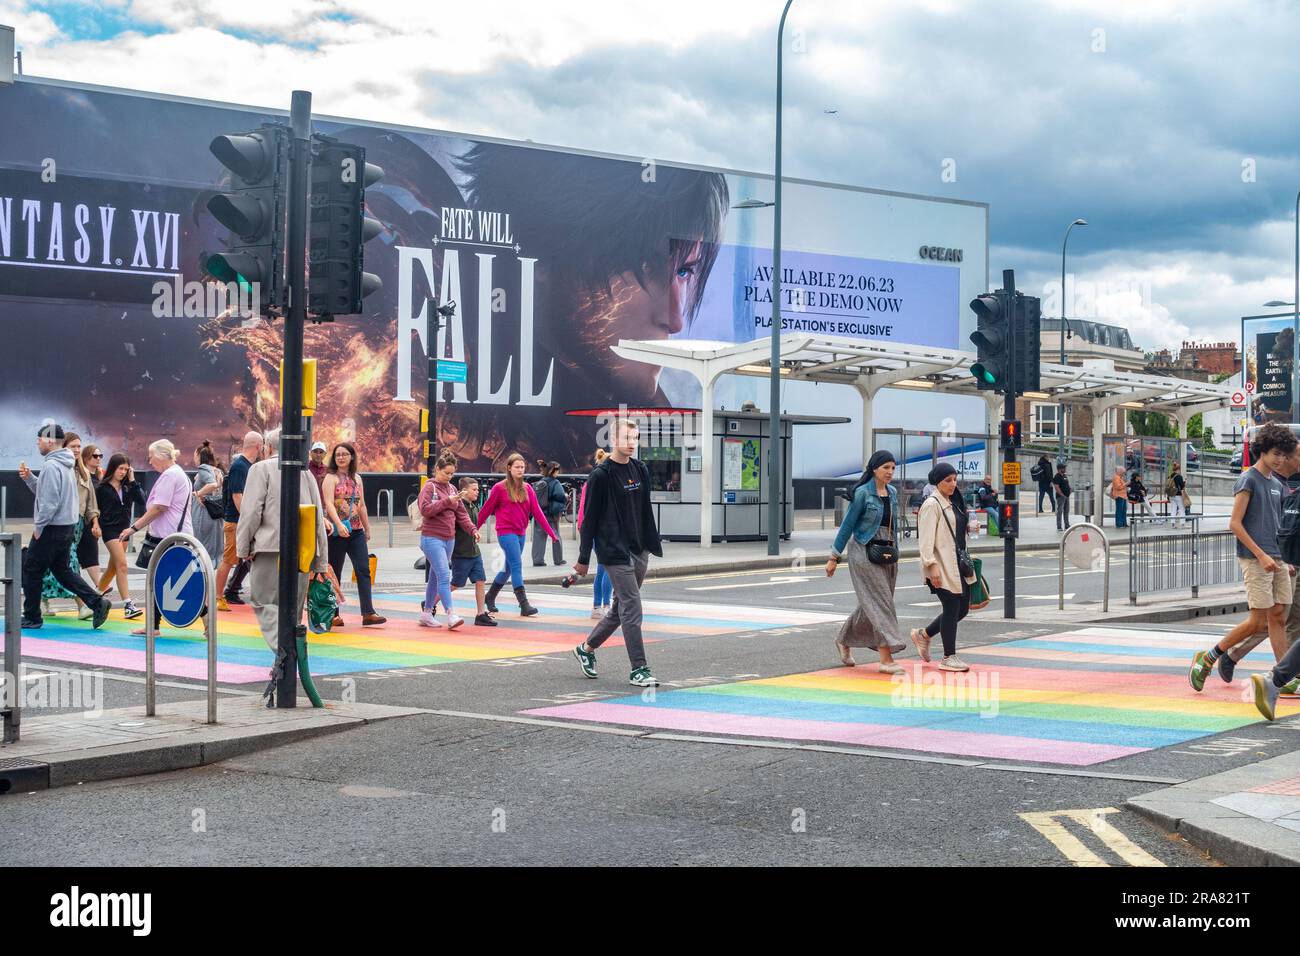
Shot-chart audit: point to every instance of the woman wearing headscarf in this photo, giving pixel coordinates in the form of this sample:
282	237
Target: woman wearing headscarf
870	532
941	524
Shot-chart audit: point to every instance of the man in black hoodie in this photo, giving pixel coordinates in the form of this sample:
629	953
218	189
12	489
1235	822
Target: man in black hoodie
618	516
55	520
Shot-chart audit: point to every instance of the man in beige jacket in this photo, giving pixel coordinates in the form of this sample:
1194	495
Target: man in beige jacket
257	538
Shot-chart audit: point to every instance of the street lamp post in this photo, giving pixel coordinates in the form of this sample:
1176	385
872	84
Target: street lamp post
1295	325
1060	414
774	482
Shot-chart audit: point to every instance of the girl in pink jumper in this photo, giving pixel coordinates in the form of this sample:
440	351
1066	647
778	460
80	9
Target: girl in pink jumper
514	503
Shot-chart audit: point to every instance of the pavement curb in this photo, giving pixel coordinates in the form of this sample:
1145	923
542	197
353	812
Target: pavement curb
1230	814
215	743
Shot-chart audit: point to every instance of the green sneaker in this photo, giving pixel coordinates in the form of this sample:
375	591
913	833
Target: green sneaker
1200	670
1291	689
641	677
586	660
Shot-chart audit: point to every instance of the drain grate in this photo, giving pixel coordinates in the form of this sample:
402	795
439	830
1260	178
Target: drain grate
19	775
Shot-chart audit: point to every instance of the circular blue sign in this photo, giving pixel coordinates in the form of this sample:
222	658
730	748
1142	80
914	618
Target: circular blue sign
178	586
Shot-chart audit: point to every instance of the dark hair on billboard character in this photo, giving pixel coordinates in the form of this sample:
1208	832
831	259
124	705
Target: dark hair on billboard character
624	251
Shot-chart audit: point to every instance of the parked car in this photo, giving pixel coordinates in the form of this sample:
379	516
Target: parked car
1234	463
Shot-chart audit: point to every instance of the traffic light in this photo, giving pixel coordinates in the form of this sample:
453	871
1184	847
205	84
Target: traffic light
1028	343
254	211
993	341
1009	434
1009	519
339	228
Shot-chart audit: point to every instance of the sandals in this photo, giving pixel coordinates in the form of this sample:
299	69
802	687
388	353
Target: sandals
846	655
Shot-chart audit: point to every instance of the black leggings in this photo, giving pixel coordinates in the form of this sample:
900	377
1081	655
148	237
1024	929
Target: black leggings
955	607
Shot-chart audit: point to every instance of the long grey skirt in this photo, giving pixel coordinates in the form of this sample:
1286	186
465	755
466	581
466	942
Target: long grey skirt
875	620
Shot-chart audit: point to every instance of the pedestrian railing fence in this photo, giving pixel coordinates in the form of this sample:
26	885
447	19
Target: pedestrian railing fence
1179	558
11	698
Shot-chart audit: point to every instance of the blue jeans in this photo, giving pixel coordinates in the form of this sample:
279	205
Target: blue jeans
513	546
993	517
1121	513
438	552
602	590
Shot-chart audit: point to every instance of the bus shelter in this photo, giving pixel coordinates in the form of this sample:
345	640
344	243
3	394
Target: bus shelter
869	366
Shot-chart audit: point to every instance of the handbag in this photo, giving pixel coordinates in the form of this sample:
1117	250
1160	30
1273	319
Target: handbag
979	591
374	564
965	566
882	552
214	508
151	542
413	513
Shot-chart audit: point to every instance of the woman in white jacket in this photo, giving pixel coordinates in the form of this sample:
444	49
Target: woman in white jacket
941	523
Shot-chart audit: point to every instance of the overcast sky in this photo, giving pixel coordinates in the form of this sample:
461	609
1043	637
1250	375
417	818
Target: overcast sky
1169	126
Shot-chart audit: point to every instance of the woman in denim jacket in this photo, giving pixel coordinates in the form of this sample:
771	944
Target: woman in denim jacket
872	517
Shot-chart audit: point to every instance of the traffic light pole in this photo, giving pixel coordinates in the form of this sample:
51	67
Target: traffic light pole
291	431
1009	492
433	324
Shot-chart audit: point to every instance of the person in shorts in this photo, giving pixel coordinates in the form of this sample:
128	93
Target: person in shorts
467	559
1256	516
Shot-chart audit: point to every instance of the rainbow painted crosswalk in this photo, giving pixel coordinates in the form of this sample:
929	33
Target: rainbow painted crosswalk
243	656
1075	698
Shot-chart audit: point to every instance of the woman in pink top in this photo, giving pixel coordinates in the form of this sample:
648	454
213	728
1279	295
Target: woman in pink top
514	504
443	510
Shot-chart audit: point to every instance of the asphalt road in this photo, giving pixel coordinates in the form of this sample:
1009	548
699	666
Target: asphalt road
477	783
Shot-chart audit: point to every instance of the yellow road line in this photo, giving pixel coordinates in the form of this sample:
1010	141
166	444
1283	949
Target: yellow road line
1046	823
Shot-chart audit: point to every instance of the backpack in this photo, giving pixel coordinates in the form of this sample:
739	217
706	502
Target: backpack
542	489
1038	472
1288	529
1170	488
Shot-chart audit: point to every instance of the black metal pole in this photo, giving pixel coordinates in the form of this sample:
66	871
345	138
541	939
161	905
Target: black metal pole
1009	491
291	437
432	324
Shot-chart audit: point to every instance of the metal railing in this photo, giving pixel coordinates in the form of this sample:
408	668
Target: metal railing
12	581
1085	561
151	616
386	494
1180	558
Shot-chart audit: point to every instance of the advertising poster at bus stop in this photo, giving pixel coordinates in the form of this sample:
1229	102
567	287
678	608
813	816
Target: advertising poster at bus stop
1267	368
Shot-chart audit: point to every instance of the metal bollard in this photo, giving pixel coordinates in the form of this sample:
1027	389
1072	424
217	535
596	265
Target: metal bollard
823	507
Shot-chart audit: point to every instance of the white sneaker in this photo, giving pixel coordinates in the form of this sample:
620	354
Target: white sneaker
454	621
597	613
428	620
953	663
84	613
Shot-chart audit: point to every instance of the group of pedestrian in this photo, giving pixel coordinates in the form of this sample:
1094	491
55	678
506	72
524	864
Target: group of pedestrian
1260	502
868	542
615	518
1054	486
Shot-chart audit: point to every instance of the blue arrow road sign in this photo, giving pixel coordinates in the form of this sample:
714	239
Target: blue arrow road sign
178	586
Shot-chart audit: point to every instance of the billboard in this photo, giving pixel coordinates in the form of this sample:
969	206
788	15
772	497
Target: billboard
552	257
1268	367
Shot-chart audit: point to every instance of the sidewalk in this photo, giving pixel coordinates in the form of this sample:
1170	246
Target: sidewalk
79	747
1249	816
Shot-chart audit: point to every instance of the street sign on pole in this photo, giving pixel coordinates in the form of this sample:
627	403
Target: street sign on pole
1011	472
178	582
452	371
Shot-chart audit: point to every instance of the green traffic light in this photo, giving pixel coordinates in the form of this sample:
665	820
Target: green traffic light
983	374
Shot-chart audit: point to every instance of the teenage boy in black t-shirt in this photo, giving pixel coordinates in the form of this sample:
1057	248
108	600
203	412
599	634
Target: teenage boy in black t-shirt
619	516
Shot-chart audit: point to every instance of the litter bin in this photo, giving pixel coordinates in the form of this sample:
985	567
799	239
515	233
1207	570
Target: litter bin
842	500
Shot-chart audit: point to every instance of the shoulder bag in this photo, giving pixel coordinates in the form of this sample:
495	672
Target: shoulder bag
881	551
965	567
151	542
216	508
